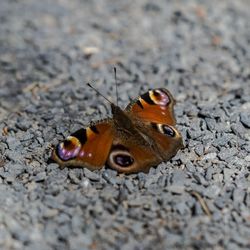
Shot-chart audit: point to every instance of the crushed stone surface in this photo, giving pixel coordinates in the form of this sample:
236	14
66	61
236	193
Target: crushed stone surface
199	50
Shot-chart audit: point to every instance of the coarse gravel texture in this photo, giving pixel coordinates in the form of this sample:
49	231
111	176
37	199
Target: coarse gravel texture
199	50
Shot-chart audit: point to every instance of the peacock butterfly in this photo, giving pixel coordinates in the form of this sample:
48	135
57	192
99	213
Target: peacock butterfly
135	139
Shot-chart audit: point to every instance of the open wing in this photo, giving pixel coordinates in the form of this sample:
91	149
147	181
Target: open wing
154	106
87	147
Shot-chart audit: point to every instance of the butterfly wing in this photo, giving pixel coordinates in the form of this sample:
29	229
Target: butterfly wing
153	116
145	136
86	147
155	143
154	106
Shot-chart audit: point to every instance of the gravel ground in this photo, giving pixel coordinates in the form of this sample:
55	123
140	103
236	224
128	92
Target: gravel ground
199	50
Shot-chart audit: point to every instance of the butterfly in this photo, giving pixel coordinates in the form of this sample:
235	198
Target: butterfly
133	140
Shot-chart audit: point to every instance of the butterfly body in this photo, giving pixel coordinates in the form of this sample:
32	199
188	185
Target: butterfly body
133	140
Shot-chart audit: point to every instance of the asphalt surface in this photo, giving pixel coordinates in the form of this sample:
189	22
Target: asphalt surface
199	50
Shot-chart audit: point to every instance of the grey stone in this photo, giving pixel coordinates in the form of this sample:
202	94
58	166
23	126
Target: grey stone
247	147
227	152
212	191
74	178
239	130
23	124
176	189
193	134
110	176
162	181
209	173
211	124
218	177
190	167
198	209
182	208
39	245
62	218
132	244
129	185
217	216
152	180
27	136
200	179
40	177
245	118
238	196
240	239
199	149
209	156
91	175
222	139
44	69
178	177
228	174
80	242
64	231
50	213
13	142
14	169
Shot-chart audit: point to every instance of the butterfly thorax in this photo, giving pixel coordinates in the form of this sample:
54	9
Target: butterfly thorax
128	128
121	119
123	123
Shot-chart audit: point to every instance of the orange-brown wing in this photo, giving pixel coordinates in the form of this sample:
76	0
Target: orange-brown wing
86	147
153	114
154	106
162	142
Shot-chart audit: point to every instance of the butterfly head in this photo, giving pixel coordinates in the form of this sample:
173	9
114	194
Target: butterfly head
115	110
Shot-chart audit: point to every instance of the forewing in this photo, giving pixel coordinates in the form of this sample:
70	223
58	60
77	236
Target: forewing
154	106
87	147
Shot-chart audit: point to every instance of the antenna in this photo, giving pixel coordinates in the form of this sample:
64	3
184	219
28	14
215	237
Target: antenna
99	93
116	87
